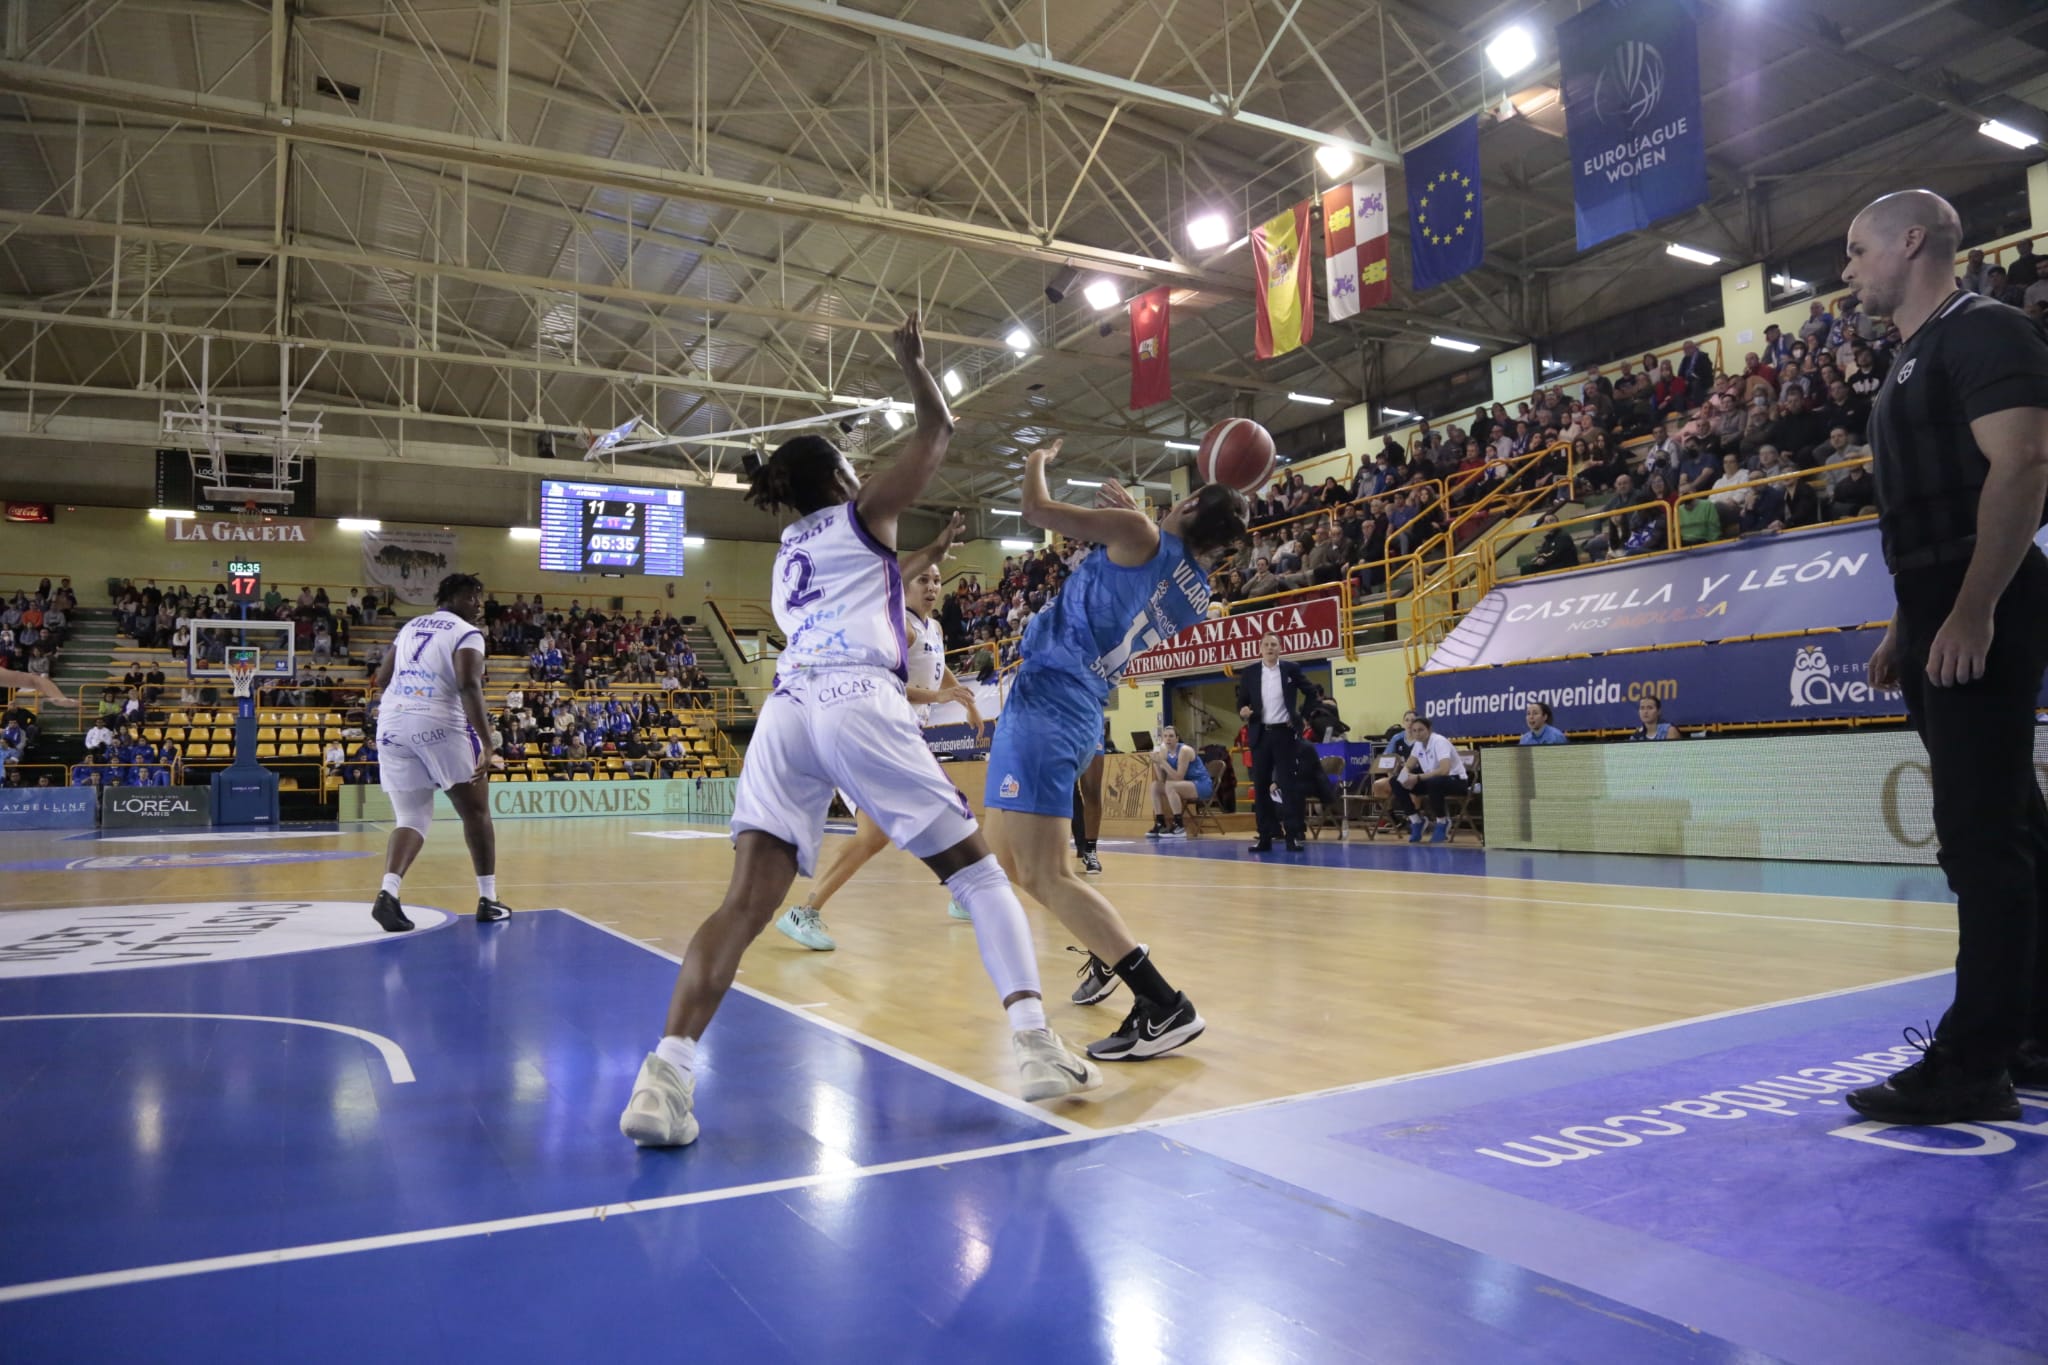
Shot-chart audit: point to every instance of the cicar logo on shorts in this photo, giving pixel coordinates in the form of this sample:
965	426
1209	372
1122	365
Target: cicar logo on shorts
1009	789
846	691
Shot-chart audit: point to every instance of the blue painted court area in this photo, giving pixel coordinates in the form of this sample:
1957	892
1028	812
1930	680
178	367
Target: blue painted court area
443	1179
1388	853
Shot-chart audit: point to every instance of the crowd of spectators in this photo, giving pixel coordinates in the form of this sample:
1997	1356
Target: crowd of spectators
158	618
34	626
986	622
587	648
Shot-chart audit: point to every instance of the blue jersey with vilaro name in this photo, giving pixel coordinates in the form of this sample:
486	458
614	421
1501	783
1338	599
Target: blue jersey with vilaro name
1106	615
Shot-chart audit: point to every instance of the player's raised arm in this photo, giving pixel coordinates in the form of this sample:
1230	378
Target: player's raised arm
888	491
37	683
1127	533
914	562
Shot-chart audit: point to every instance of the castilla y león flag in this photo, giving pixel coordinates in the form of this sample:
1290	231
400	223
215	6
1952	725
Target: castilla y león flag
1355	244
1287	319
1151	374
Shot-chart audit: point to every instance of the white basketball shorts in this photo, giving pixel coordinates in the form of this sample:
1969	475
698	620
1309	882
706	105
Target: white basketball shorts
417	752
851	729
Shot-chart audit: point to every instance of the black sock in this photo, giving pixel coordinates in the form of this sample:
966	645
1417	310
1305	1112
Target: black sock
1089	847
1137	972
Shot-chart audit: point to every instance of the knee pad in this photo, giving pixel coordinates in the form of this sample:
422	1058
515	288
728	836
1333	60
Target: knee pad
413	810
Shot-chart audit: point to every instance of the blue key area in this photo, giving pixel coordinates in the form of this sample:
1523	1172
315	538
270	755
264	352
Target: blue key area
1709	1171
1130	1248
135	1142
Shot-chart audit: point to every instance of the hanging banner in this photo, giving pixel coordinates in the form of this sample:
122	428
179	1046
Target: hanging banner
269	531
1286	315
1355	244
1308	626
1151	369
410	562
1767	585
1631	78
1446	229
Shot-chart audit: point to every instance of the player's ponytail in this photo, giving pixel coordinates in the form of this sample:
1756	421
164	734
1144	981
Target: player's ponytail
1217	522
801	476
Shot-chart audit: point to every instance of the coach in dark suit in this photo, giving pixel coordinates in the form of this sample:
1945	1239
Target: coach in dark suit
1272	698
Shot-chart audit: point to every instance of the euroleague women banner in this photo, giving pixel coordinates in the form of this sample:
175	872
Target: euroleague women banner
1632	107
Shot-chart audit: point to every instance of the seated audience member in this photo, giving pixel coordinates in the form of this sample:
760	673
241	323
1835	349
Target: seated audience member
1654	726
1432	771
1178	777
1851	492
1540	730
638	761
1699	522
1558	550
1395	745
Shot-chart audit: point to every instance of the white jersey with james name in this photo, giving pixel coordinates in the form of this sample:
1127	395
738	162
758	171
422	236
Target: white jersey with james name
838	597
423	677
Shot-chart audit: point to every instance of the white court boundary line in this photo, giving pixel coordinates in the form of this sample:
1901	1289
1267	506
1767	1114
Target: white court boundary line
109	1279
987	1092
395	1060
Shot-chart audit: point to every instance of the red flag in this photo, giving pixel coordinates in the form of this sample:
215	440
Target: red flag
1151	374
1286	317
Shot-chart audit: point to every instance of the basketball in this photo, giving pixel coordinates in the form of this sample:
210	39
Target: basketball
1236	451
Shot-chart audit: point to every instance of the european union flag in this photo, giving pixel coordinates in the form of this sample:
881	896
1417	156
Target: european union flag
1446	230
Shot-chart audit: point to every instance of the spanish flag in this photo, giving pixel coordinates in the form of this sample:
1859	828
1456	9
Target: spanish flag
1286	318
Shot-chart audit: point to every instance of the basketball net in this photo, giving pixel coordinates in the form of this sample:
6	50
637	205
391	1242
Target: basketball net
242	675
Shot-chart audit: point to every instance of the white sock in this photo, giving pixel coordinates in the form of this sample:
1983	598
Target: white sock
1000	930
680	1053
487	887
390	884
1026	1014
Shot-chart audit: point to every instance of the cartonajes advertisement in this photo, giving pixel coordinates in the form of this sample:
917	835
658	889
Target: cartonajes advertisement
1806	580
410	562
1631	79
1305	627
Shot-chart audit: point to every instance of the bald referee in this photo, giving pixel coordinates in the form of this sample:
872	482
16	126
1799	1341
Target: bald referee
1960	435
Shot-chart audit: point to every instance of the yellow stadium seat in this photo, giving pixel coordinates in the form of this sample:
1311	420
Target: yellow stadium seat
266	751
579	777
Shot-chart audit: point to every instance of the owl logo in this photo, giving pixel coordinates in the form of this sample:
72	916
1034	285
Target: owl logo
1810	674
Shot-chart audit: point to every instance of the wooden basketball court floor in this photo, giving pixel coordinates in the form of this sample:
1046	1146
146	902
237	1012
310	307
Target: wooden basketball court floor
1452	1106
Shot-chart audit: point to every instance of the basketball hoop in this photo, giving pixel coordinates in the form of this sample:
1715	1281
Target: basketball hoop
241	662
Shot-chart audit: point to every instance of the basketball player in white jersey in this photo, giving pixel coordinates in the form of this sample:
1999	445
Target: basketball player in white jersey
838	717
930	684
434	734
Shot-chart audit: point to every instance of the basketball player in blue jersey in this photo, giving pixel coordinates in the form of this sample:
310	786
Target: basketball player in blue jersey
838	718
1141	584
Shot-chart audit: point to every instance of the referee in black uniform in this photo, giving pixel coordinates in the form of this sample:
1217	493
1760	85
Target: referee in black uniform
1959	433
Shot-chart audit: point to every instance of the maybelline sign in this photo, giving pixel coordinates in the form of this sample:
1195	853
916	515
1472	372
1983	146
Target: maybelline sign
272	531
1305	627
153	807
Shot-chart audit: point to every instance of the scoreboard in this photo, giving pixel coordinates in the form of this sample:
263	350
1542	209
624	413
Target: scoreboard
611	528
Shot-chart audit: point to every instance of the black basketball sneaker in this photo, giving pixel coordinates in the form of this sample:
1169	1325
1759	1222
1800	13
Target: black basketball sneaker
1933	1091
489	911
1149	1030
1098	982
389	914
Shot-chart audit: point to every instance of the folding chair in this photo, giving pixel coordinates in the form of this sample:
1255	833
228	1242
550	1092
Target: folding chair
1198	810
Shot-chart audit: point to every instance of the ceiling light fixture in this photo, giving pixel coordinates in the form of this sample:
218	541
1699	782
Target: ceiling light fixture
523	532
1018	544
1691	253
953	383
693	542
1084	483
168	514
2006	133
1102	295
1314	398
1512	50
1183	445
1004	512
1454	344
1017	339
359	524
1337	162
1400	413
893	418
1208	232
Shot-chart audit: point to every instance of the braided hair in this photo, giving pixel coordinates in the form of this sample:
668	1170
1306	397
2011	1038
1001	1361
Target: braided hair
801	476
